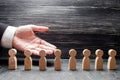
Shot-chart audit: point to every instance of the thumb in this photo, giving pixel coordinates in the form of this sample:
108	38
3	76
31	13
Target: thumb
40	28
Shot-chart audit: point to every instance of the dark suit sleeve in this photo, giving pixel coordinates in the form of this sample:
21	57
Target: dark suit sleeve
2	29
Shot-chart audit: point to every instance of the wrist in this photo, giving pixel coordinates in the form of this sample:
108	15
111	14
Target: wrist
8	36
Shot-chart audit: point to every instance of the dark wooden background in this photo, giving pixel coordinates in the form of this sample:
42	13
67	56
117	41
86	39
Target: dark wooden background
77	24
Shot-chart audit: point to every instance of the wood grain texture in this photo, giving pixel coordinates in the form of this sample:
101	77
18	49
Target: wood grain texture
72	60
12	61
99	59
86	59
77	24
111	65
27	60
42	61
57	60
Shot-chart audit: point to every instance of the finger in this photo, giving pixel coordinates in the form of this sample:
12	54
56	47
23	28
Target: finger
48	44
47	51
35	52
40	28
30	47
33	49
46	47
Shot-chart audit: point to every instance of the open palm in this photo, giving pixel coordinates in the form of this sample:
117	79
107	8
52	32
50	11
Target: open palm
26	39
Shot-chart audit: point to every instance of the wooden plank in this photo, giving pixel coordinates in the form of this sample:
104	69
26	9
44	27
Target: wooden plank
83	24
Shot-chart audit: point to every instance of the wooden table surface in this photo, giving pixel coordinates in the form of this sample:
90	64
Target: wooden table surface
64	74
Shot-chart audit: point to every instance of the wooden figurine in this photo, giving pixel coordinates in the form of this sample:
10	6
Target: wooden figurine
72	60
12	64
99	59
27	60
86	59
111	65
42	61
57	60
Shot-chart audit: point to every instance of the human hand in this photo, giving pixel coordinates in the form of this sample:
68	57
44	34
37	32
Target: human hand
25	38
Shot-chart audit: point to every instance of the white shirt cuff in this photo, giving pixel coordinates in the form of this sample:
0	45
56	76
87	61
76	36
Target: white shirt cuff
8	36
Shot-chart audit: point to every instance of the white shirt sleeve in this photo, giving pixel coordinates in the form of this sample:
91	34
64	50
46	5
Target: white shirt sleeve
8	36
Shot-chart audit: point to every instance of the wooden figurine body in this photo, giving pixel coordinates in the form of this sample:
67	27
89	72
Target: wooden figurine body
86	60
57	60
27	60
42	61
72	60
99	60
12	64
111	65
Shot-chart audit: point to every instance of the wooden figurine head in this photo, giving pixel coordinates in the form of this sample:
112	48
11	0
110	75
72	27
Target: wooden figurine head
72	52
57	53
86	52
42	53
99	52
112	52
12	52
27	53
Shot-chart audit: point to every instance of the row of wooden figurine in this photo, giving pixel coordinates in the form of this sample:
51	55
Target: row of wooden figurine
111	64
